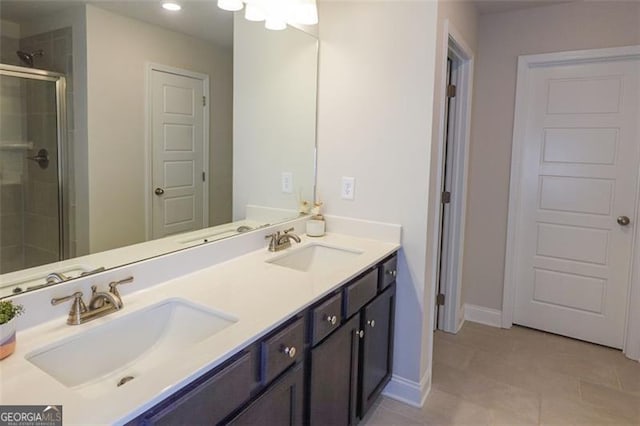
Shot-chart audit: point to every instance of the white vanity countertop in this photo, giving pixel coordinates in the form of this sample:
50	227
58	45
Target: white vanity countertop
260	294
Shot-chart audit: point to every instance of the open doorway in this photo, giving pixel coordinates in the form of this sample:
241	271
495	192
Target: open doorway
457	84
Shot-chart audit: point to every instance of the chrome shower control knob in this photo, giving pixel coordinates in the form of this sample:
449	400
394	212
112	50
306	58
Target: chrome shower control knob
332	319
290	351
159	191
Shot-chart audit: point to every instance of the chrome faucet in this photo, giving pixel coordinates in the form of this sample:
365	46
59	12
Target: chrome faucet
280	241
56	277
102	303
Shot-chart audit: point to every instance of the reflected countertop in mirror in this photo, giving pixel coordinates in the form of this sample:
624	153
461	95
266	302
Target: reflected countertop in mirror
137	131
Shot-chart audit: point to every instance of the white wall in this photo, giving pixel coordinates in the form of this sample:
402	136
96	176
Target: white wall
377	62
274	115
502	37
117	50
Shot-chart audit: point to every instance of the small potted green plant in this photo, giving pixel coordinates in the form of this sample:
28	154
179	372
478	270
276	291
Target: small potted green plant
8	312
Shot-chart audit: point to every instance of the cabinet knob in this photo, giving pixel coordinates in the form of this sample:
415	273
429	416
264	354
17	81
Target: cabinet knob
290	351
392	272
360	333
371	323
332	319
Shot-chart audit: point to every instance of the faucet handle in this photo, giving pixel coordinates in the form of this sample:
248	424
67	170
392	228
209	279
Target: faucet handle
77	296
289	230
77	308
113	286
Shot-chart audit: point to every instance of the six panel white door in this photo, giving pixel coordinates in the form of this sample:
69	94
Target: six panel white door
177	127
579	174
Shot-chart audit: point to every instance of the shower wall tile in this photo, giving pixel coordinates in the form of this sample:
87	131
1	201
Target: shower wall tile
11	230
41	232
8	48
11	128
41	198
35	256
11	259
11	199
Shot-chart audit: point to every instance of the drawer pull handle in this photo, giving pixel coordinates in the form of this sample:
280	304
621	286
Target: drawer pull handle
290	351
392	272
332	319
360	333
371	323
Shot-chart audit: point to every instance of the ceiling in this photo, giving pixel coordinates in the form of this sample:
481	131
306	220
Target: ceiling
499	6
198	18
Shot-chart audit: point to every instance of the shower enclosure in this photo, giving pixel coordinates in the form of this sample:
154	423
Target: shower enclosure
32	157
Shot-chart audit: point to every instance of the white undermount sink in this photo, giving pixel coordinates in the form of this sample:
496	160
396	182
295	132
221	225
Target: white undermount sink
316	257
125	348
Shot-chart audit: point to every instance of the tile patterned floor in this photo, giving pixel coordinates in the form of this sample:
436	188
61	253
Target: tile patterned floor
490	376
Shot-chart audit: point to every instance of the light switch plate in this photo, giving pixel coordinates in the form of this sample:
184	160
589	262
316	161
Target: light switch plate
287	182
348	189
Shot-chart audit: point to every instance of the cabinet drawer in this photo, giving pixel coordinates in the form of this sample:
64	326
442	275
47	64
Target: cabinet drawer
388	272
326	318
281	350
211	401
360	292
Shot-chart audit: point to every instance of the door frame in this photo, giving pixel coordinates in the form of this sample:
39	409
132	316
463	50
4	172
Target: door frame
525	63
453	43
148	143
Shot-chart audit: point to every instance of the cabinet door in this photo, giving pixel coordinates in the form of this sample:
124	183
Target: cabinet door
279	405
334	377
377	348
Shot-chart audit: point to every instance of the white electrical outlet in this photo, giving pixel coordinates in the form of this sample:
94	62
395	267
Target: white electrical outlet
348	188
287	182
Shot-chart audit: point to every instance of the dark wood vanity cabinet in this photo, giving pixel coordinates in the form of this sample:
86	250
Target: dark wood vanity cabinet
280	404
351	367
376	362
333	379
324	367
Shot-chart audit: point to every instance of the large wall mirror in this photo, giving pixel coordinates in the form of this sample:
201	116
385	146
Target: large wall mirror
128	131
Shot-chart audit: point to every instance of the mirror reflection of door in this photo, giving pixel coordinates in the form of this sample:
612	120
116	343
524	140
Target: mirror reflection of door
179	145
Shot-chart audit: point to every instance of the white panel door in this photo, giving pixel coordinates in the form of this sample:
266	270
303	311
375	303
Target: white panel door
579	174
177	128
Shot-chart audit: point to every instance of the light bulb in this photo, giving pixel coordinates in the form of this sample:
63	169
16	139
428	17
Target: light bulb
306	13
254	13
275	24
230	5
173	7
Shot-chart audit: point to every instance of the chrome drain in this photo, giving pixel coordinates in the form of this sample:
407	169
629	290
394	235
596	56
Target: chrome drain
124	380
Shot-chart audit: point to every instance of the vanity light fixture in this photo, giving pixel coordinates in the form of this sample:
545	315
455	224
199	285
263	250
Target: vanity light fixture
275	13
173	7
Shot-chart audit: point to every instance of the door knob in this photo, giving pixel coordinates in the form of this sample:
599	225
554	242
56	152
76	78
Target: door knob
159	191
623	220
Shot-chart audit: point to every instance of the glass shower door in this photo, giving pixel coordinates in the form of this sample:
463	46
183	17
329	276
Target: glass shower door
31	209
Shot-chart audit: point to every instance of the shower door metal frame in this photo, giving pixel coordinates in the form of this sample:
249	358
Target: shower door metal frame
61	124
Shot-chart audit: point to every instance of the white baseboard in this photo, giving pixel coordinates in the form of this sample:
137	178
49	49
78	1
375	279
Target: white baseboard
408	391
482	315
461	314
